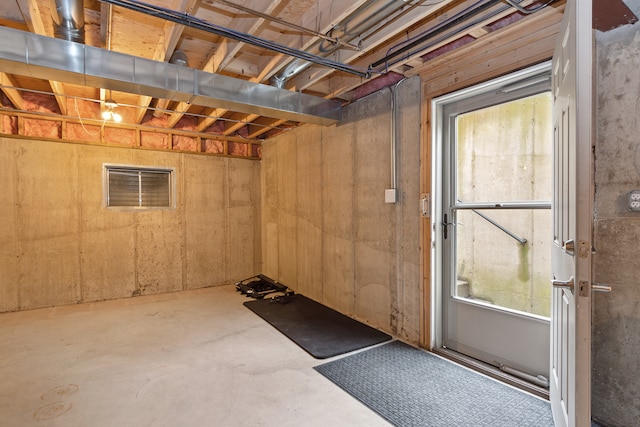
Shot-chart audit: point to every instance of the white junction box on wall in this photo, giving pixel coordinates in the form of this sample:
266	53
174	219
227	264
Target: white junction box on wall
390	195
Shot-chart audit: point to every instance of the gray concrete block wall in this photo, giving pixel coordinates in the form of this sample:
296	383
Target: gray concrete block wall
60	245
328	233
616	315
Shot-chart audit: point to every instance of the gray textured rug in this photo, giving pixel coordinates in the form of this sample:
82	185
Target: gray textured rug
411	387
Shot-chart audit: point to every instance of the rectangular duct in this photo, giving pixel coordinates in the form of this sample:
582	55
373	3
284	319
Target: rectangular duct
33	55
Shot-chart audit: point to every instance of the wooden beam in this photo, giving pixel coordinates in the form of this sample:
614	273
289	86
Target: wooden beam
398	26
242	120
232	47
106	21
492	56
315	18
177	114
61	99
425	226
213	117
226	51
141	109
33	17
478	32
164	50
346	83
13	24
263	125
322	17
14	95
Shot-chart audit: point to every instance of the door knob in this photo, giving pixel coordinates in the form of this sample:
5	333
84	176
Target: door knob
568	284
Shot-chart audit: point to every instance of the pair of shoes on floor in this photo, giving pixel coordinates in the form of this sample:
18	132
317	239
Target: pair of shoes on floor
260	286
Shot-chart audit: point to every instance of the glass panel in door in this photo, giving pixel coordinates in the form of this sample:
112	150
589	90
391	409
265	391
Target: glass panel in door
502	209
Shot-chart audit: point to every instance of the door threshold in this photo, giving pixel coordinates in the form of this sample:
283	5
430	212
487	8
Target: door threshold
492	371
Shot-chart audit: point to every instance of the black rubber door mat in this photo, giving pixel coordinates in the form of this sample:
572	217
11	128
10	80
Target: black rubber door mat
319	330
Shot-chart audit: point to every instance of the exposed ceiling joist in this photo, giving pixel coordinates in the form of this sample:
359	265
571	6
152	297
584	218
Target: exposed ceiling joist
353	34
9	86
34	15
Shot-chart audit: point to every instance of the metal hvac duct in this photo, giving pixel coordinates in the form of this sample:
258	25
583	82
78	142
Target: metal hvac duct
28	54
178	58
68	19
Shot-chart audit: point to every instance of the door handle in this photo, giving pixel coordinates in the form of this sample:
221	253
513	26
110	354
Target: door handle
569	246
598	287
568	284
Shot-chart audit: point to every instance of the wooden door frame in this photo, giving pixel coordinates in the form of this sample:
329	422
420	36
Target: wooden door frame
530	41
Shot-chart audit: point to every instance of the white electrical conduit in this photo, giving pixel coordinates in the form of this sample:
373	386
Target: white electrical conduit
393	191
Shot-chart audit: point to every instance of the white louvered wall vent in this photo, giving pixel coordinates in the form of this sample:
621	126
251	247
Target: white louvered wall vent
138	187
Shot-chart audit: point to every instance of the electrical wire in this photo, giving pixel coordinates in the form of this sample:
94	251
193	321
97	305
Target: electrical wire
528	11
75	100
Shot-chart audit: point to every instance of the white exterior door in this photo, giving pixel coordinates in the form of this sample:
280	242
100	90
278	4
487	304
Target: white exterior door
570	377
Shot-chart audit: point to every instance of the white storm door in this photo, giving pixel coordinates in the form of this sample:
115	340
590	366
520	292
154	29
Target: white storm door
494	147
570	377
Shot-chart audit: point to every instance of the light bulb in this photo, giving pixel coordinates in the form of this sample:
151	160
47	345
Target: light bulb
109	114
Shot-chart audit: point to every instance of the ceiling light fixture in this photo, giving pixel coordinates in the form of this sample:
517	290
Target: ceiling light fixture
109	113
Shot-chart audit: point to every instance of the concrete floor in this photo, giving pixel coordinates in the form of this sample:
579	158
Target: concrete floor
194	358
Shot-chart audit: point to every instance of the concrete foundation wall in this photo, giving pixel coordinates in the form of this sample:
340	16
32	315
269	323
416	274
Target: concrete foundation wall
327	232
616	316
60	245
504	154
